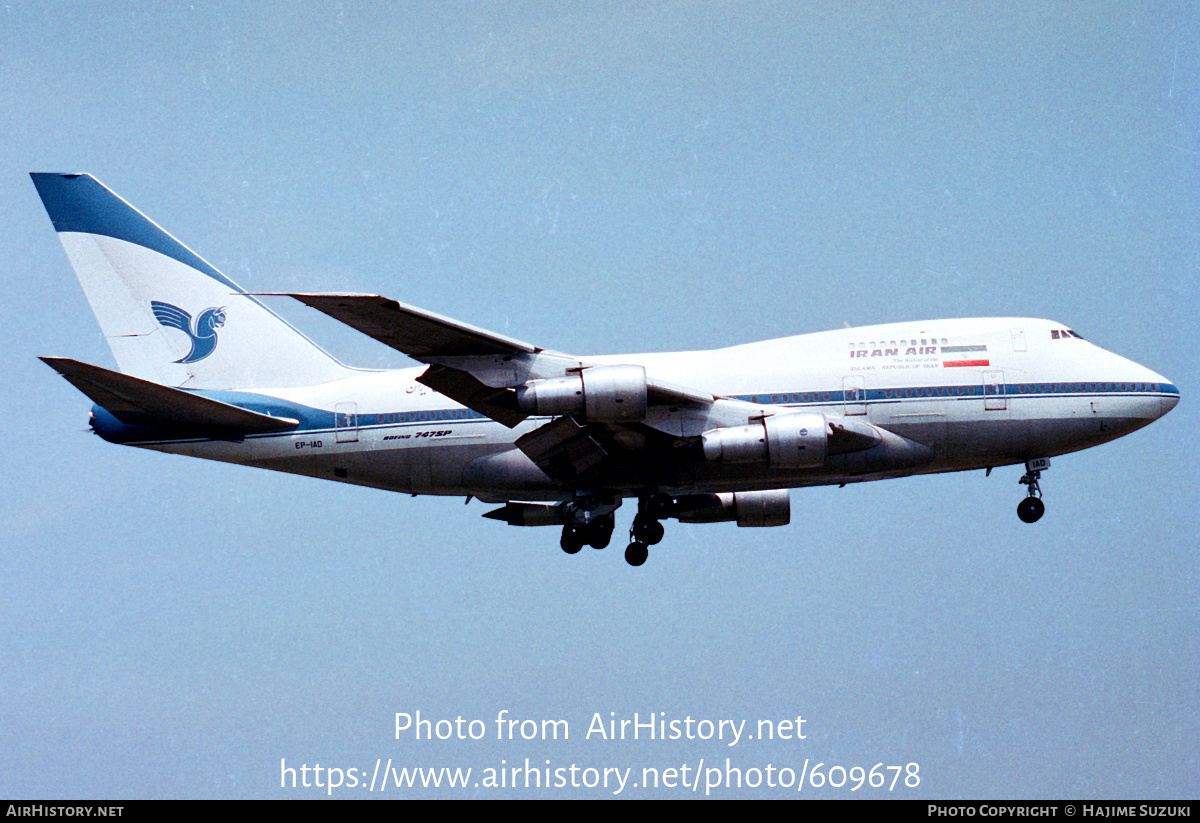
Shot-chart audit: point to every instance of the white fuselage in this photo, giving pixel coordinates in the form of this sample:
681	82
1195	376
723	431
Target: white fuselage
975	392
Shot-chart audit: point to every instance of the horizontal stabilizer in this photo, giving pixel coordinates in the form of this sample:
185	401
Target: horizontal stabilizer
417	333
138	402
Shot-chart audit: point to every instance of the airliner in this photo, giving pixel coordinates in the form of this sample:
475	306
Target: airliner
206	369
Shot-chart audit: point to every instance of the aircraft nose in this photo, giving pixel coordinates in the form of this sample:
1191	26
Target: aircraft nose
1169	399
1143	394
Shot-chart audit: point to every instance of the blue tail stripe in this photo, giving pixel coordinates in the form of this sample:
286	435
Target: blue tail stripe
80	203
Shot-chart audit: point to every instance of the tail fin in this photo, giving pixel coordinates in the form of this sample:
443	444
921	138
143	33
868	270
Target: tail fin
168	315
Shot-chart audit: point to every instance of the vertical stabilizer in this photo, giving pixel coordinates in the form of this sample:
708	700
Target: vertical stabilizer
168	315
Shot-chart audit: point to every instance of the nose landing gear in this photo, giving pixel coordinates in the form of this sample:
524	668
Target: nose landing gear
1031	509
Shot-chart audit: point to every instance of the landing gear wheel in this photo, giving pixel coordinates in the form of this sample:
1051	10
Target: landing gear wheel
636	553
649	532
1031	509
572	541
600	532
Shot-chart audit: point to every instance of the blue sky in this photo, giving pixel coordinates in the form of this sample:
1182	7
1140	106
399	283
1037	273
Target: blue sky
598	178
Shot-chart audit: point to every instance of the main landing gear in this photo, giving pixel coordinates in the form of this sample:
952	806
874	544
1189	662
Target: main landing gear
1031	509
597	534
592	522
646	530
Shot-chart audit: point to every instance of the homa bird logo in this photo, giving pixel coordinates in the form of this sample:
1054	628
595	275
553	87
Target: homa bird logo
203	336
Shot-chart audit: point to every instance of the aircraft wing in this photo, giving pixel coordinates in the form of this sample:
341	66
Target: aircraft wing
470	365
483	370
419	334
138	402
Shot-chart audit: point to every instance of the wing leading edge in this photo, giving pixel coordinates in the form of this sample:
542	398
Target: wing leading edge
419	334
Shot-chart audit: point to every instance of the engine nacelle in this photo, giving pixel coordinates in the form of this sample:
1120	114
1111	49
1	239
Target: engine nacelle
753	509
600	393
786	441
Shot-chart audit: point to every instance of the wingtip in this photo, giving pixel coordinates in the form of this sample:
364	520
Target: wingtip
56	363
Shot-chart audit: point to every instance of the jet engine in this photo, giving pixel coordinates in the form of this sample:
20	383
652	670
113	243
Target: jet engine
768	508
788	441
607	394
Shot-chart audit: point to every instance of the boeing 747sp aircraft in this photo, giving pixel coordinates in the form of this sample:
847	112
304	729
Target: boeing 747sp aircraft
207	370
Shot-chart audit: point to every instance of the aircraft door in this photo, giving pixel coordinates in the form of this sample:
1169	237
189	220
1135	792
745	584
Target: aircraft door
345	421
993	391
854	394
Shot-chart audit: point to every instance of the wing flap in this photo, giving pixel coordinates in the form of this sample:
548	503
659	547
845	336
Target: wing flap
562	448
138	402
462	387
